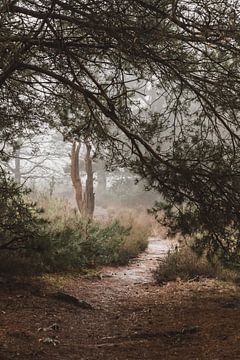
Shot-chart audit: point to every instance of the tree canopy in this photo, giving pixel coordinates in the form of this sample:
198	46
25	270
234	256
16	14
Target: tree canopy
97	60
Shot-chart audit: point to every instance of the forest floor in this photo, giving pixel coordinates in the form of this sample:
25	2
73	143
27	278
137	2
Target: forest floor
132	318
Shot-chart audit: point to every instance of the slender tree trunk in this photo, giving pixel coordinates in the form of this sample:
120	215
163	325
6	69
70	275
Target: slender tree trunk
76	180
101	178
85	199
89	194
17	169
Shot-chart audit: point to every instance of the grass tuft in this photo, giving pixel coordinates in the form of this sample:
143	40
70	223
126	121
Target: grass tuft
184	264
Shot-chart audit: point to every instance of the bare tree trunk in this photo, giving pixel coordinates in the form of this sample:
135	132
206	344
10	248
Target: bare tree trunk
76	180
17	169
89	194
85	199
101	178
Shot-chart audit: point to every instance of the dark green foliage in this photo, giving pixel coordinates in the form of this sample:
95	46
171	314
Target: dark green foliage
19	219
203	199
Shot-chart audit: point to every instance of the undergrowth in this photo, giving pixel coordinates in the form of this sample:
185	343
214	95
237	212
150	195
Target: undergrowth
67	242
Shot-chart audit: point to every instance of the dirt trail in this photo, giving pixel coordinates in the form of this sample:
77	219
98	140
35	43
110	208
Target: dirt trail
140	270
133	318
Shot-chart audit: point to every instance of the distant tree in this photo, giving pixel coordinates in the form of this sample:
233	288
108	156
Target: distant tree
37	157
100	169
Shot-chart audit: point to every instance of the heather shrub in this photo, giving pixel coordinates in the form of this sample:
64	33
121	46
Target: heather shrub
183	263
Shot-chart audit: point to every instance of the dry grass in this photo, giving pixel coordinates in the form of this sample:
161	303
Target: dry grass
142	226
140	218
56	208
184	264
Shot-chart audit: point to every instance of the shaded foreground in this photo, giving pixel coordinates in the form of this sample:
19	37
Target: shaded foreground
132	318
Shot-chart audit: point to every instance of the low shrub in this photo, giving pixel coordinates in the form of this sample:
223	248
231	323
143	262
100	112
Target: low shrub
184	264
63	241
72	242
81	244
19	218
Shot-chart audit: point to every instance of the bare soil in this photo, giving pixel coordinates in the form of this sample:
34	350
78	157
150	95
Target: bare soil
132	318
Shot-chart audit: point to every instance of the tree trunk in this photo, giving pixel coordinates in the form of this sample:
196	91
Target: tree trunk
89	194
17	169
101	178
76	180
85	199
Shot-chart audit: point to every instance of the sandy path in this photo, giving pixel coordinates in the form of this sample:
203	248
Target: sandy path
140	270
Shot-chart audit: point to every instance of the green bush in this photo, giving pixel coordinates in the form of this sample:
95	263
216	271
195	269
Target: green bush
81	244
19	218
72	243
84	244
59	240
